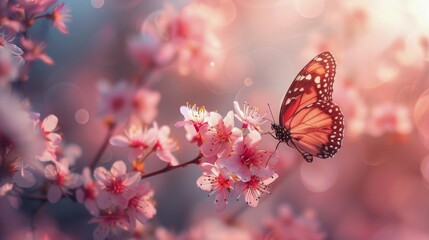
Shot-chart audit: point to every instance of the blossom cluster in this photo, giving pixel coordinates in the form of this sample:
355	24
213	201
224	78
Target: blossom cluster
186	38
232	158
28	144
124	102
16	19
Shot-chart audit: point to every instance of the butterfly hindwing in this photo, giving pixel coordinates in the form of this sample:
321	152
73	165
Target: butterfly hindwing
318	130
313	83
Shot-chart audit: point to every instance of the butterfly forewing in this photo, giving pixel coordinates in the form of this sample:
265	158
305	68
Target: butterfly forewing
313	83
318	129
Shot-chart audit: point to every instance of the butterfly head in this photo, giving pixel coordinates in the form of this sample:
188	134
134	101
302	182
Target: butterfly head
282	134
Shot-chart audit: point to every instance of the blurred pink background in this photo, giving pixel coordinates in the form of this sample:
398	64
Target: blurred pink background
375	188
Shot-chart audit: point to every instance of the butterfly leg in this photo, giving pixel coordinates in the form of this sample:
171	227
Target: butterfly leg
275	150
307	156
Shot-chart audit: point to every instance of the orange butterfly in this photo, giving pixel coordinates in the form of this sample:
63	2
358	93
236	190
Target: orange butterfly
309	121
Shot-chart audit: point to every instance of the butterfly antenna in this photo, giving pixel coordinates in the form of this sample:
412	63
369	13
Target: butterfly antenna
269	107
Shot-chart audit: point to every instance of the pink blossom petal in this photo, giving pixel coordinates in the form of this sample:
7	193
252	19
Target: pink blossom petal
103	200
239	147
181	123
271	179
123	224
47	157
252	139
224	149
50	123
185	112
131	179
118	169
51	172
24	180
46	59
119	141
207	148
221	199
5	188
74	181
203	182
214	118
122	200
14	49
54	194
233	163
55	138
238	110
262	172
229	120
102	175
101	232
166	156
244	174
80	196
92	207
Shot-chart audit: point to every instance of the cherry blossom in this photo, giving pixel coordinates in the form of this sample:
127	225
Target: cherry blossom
196	119
217	182
59	16
246	160
88	193
254	188
109	222
117	187
35	51
61	179
165	145
141	206
115	100
188	37
47	129
194	116
137	138
220	135
249	116
119	102
145	104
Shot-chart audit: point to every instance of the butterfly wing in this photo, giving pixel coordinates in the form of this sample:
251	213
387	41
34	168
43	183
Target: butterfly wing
313	83
315	123
317	130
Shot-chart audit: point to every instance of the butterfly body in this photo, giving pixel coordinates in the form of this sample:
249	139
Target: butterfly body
309	121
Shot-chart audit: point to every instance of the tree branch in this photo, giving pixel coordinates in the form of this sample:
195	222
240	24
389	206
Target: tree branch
103	146
170	168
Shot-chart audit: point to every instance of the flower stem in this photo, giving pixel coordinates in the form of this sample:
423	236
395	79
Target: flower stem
170	168
103	146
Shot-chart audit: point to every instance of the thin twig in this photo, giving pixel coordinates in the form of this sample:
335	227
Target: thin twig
103	146
170	168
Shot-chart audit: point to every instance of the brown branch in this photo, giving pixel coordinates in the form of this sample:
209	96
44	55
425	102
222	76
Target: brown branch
170	168
103	146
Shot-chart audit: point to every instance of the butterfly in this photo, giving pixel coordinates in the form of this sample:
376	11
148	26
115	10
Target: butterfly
309	121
